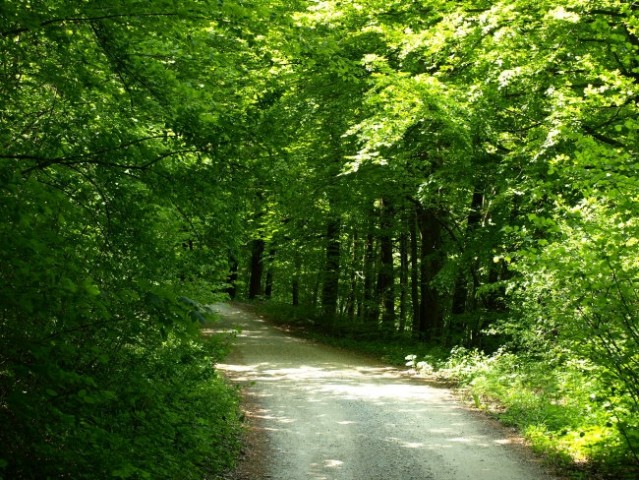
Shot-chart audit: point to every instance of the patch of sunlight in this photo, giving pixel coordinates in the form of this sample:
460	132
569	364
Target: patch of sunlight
333	463
416	445
369	391
357	383
346	422
276	418
441	431
238	368
245	334
301	373
477	441
460	440
503	441
412	445
384	372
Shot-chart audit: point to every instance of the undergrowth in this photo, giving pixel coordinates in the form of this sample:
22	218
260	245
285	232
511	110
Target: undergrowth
555	401
305	321
149	413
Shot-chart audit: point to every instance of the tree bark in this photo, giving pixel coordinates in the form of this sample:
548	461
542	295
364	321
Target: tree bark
232	277
414	272
295	285
352	292
371	308
431	318
386	277
403	280
257	268
330	287
268	289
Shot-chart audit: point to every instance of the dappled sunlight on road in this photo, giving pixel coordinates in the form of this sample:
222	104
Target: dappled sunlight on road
331	414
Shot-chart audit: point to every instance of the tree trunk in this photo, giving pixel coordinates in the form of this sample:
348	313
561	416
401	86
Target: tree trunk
431	318
316	289
386	277
268	289
414	273
403	280
231	280
330	288
352	293
296	280
257	267
371	308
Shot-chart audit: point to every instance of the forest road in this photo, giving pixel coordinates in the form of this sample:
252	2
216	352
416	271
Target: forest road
327	414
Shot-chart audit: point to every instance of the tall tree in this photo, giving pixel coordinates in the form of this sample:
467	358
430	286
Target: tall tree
119	131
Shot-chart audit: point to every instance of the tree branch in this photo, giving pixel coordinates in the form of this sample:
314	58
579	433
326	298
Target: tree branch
602	138
54	21
44	162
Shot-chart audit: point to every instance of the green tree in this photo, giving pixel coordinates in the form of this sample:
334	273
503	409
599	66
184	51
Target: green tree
120	128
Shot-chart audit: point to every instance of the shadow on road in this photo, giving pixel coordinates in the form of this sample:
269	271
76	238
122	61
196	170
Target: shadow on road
331	414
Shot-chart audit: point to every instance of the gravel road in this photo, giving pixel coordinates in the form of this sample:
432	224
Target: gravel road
327	414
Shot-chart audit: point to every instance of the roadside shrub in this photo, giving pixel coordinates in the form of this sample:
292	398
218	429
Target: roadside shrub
557	401
151	411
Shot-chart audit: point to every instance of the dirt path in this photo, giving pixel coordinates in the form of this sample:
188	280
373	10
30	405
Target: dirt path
327	414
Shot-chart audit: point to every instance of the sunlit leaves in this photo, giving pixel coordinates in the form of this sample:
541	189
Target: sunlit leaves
116	130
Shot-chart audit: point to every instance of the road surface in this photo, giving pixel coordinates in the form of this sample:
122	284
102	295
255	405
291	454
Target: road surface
328	414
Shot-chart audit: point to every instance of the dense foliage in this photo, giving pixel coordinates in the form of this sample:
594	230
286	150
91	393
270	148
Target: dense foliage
116	124
461	174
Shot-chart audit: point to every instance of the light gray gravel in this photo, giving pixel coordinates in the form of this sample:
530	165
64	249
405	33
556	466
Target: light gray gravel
332	415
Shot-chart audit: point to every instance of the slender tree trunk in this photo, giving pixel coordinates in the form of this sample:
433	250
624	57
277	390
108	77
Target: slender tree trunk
295	284
257	267
414	272
431	318
330	287
371	308
316	288
460	294
403	280
386	278
268	289
361	305
186	245
232	277
296	291
352	293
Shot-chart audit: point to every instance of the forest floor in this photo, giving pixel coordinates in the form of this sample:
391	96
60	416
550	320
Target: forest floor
321	413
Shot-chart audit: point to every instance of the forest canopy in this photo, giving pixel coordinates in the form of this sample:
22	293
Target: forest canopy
458	173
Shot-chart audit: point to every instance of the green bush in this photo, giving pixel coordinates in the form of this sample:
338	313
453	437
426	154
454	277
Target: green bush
102	371
152	411
558	402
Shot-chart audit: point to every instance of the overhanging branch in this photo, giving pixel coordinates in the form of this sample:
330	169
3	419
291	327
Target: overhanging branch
61	21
